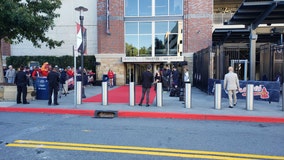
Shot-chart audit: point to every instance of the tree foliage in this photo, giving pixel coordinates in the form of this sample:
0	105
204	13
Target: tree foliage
27	19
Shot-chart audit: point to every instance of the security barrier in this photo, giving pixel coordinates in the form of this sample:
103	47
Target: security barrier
187	102
159	93
104	94
217	99
131	94
249	100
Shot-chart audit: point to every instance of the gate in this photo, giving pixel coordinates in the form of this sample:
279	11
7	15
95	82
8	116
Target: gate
201	61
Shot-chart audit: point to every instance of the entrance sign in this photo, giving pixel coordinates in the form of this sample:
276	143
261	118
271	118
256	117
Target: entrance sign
153	59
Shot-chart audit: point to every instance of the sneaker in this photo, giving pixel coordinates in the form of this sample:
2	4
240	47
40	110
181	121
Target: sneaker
140	104
147	105
231	107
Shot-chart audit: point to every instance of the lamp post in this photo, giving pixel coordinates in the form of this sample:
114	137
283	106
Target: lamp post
82	9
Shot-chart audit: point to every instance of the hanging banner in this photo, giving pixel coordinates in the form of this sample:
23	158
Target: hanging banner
80	40
107	17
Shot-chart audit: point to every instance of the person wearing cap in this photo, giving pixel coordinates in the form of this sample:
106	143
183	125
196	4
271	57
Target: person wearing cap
10	74
147	81
21	81
53	85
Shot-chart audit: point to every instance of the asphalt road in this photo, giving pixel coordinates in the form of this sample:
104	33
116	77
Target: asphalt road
29	136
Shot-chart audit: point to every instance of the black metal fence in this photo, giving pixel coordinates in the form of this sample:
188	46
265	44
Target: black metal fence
201	61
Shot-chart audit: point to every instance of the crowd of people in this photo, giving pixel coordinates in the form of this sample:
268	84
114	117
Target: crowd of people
60	80
171	80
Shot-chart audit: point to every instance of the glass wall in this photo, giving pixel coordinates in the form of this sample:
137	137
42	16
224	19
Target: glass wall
155	28
138	41
142	8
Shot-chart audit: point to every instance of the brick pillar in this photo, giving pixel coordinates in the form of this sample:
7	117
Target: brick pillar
113	42
198	19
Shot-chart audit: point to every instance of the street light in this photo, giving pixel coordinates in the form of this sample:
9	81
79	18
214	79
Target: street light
81	17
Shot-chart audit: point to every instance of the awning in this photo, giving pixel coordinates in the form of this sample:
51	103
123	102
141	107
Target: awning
255	12
252	13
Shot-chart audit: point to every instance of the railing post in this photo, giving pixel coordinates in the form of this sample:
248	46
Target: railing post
131	94
217	100
250	97
187	102
104	94
79	92
159	97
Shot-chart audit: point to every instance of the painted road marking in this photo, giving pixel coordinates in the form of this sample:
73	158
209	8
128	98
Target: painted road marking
139	150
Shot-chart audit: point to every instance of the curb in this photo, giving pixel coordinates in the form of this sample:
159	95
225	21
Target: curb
132	114
49	111
264	119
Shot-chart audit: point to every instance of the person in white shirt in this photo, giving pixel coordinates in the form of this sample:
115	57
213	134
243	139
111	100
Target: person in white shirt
186	75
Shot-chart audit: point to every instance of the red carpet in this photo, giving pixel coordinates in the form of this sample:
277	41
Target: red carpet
121	95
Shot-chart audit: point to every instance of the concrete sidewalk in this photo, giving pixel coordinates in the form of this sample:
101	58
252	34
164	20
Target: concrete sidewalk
202	108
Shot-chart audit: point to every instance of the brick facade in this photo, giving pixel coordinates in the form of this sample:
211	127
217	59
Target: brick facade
197	25
113	42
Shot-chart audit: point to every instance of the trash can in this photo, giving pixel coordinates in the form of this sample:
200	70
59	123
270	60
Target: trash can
41	88
105	78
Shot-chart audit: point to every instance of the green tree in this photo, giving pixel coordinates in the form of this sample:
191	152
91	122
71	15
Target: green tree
27	19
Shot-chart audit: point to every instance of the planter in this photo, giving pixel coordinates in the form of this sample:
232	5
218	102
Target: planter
9	93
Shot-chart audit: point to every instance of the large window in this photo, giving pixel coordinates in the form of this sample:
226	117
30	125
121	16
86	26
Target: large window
138	38
152	33
168	38
142	8
131	7
175	7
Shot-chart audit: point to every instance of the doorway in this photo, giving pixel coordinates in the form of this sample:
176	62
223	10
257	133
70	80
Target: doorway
241	68
134	72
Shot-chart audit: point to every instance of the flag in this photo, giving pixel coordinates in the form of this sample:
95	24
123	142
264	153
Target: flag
80	40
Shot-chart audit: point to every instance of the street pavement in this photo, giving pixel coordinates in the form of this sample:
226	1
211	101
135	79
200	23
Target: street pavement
201	108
